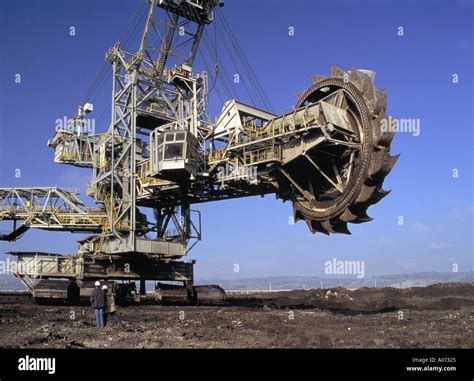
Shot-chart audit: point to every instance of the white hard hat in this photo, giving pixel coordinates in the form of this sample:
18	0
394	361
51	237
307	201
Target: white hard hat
104	287
97	283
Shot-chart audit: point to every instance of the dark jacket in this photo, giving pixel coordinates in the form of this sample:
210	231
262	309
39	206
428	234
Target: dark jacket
98	298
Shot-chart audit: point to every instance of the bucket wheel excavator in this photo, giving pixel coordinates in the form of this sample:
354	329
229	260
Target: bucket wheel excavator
328	156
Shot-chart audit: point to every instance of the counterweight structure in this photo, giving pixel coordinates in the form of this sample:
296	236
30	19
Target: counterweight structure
328	157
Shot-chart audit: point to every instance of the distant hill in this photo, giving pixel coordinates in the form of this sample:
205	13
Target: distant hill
302	282
9	282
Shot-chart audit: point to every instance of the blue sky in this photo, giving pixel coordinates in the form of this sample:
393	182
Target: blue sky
417	70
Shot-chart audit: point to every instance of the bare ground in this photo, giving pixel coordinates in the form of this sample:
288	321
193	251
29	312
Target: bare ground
438	316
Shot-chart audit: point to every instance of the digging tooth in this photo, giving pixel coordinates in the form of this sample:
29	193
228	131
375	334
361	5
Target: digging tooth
364	81
318	227
387	138
356	79
341	227
377	128
326	225
347	216
369	73
365	193
310	225
387	165
380	100
390	162
361	212
378	195
297	216
382	133
369	94
363	219
381	164
368	195
376	162
388	134
317	78
337	72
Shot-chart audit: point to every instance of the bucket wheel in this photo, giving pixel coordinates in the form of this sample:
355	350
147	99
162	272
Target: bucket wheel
339	179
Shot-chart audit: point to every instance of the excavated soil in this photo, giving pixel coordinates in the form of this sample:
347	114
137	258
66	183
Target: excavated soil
438	316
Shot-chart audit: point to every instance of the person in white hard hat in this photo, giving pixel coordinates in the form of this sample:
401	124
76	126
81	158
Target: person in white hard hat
98	304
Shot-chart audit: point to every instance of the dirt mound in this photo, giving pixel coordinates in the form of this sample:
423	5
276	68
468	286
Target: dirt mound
365	300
